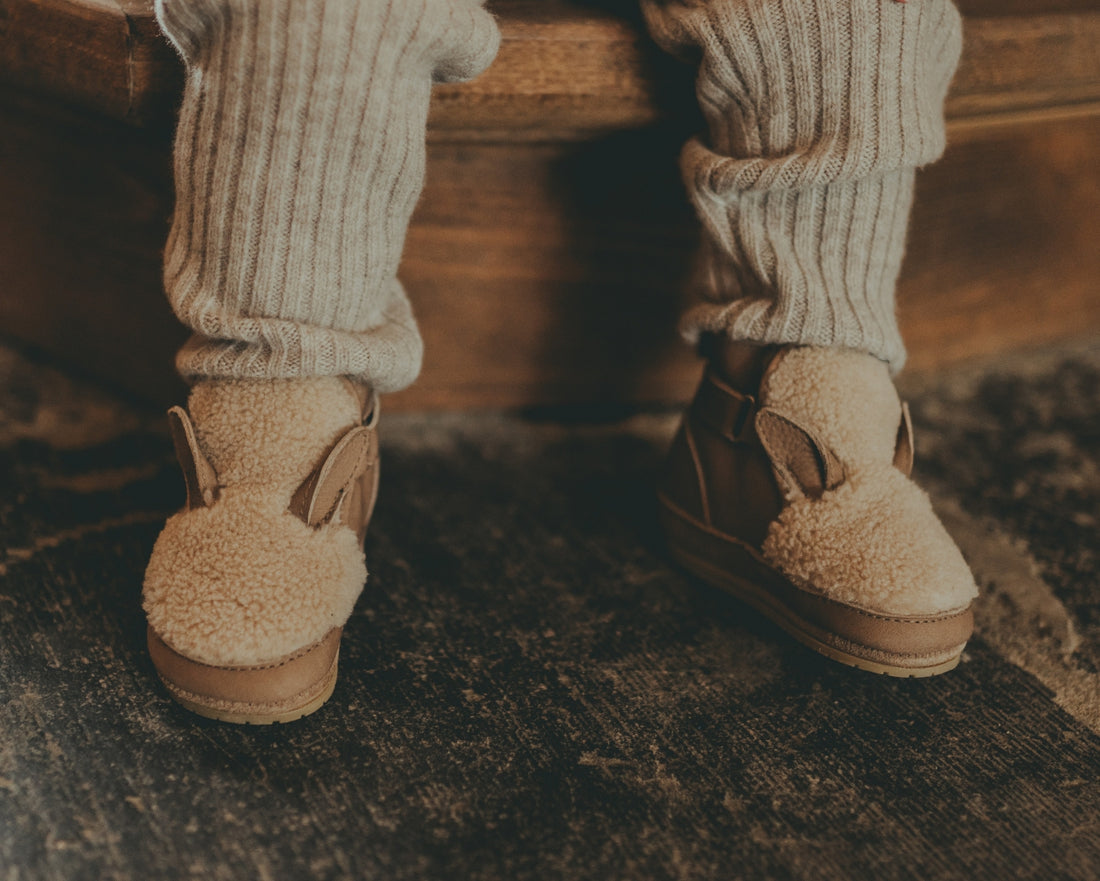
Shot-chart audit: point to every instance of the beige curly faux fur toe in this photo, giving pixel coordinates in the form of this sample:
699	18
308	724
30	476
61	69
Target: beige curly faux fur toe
873	541
240	580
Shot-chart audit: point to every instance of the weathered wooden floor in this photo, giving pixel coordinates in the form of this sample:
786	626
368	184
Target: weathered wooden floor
529	690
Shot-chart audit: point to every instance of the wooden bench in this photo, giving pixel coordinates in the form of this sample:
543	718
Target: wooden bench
535	236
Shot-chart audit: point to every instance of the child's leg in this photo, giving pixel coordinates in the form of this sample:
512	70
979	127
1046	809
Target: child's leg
817	114
788	481
299	157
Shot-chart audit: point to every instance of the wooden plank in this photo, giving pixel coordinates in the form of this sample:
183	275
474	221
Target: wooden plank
555	272
154	71
993	8
579	72
1002	248
78	50
1010	65
84	208
105	55
564	70
546	273
561	70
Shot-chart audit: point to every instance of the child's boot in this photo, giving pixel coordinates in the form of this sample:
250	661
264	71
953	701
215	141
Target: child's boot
250	585
788	486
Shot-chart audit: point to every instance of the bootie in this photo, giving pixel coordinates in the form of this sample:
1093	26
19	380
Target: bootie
250	585
788	486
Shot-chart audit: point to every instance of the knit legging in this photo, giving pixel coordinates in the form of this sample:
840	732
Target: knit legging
299	157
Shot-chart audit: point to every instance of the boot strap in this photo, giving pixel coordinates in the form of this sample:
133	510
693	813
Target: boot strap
724	409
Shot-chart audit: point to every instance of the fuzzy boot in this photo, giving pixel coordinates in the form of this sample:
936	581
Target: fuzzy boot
788	485
249	586
299	157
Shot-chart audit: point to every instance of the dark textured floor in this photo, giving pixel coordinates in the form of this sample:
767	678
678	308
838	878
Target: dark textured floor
529	690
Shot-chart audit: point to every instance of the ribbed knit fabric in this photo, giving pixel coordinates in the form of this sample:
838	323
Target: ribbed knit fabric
299	158
818	111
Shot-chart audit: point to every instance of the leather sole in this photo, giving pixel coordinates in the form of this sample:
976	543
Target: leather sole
900	646
282	691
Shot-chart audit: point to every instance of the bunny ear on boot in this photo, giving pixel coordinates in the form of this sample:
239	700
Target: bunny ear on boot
804	465
198	473
903	446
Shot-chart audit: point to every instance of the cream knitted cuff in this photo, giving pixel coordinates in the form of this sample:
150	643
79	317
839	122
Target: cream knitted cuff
299	157
818	112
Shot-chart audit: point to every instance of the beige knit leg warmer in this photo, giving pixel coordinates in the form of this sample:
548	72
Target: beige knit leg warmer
818	112
299	157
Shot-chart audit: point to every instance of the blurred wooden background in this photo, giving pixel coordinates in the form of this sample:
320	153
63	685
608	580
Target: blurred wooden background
549	256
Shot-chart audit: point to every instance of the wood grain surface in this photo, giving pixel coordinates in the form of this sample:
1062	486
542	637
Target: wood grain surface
547	272
557	272
565	66
552	251
106	55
